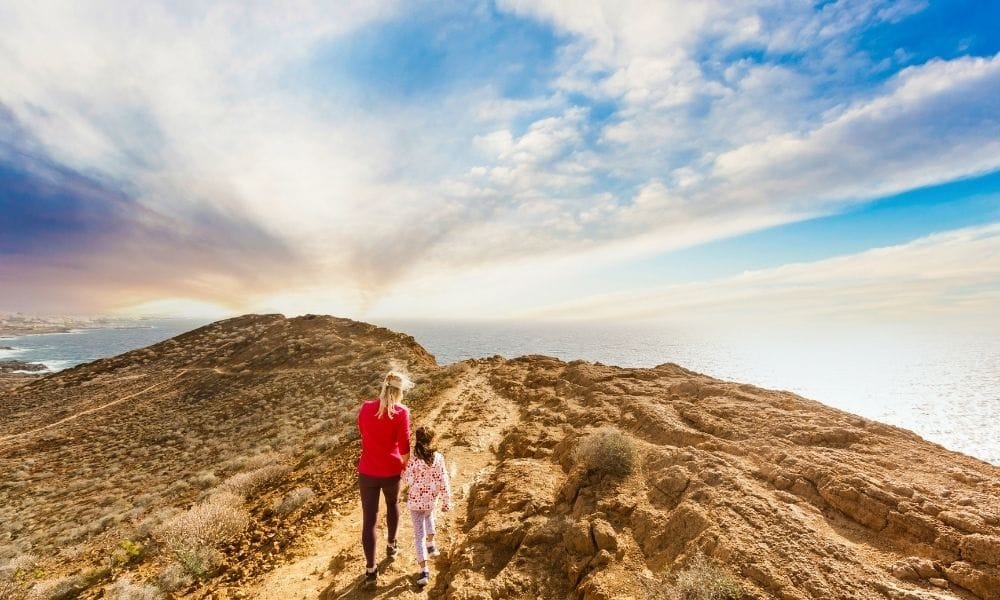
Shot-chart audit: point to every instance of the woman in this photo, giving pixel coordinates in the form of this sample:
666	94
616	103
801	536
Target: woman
384	424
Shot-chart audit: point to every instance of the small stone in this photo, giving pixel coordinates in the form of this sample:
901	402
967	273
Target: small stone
578	540
903	572
938	582
605	536
603	558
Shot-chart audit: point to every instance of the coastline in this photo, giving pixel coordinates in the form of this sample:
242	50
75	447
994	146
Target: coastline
12	332
889	391
9	331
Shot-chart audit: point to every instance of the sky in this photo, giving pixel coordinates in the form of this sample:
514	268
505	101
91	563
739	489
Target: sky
621	159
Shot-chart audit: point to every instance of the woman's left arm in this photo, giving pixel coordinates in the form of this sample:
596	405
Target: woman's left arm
403	441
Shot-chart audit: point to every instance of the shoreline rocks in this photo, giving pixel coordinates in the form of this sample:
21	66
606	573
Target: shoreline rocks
9	366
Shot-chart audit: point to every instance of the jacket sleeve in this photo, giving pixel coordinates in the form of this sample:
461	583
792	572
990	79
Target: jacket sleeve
445	484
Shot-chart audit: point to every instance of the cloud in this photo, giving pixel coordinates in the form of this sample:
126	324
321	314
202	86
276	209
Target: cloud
950	276
753	144
230	133
931	124
67	239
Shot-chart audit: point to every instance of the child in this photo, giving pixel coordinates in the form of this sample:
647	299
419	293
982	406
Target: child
427	477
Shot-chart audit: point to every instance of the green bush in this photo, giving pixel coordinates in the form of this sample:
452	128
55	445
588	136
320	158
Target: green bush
607	451
702	580
125	553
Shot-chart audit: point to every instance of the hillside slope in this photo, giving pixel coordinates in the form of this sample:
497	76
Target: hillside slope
793	498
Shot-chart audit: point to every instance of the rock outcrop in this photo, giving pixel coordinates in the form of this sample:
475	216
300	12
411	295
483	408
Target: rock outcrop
10	366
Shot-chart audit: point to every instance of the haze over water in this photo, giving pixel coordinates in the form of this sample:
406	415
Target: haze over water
942	385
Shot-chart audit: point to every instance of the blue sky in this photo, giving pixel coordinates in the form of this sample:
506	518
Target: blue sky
503	159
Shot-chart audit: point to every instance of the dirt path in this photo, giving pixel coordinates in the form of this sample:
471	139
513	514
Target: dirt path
332	563
95	409
117	401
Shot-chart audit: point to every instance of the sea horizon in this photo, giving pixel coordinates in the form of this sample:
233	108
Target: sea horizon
940	384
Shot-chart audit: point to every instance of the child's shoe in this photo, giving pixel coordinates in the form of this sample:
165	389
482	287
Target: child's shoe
391	550
371	577
425	577
433	551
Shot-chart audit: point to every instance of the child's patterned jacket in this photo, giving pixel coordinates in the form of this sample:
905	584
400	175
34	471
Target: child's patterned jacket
427	482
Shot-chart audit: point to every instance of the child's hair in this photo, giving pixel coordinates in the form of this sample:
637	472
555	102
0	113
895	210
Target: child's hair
423	448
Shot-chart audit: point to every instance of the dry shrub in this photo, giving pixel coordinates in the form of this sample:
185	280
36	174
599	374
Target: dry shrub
17	576
292	501
175	577
19	567
606	451
191	535
12	551
198	560
248	483
59	589
147	527
220	518
324	443
11	590
702	580
205	480
178	487
123	589
145	500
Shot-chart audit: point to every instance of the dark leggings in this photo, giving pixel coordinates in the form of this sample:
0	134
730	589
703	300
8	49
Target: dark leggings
370	488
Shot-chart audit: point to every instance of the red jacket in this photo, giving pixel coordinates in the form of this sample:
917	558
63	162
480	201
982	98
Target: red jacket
384	441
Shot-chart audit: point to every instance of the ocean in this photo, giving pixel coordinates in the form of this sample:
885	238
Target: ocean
59	351
942	385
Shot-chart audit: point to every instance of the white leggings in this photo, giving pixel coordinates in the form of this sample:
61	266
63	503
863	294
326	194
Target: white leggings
423	525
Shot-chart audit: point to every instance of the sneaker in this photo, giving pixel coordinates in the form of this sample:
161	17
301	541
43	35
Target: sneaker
391	550
425	576
371	577
433	551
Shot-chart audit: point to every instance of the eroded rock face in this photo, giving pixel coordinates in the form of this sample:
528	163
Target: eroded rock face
799	499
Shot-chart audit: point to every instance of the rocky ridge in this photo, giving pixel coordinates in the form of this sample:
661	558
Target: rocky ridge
795	499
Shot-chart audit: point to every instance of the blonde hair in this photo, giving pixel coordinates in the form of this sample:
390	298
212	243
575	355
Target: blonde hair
394	385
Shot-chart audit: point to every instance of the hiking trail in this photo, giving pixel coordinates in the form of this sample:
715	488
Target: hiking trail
332	565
